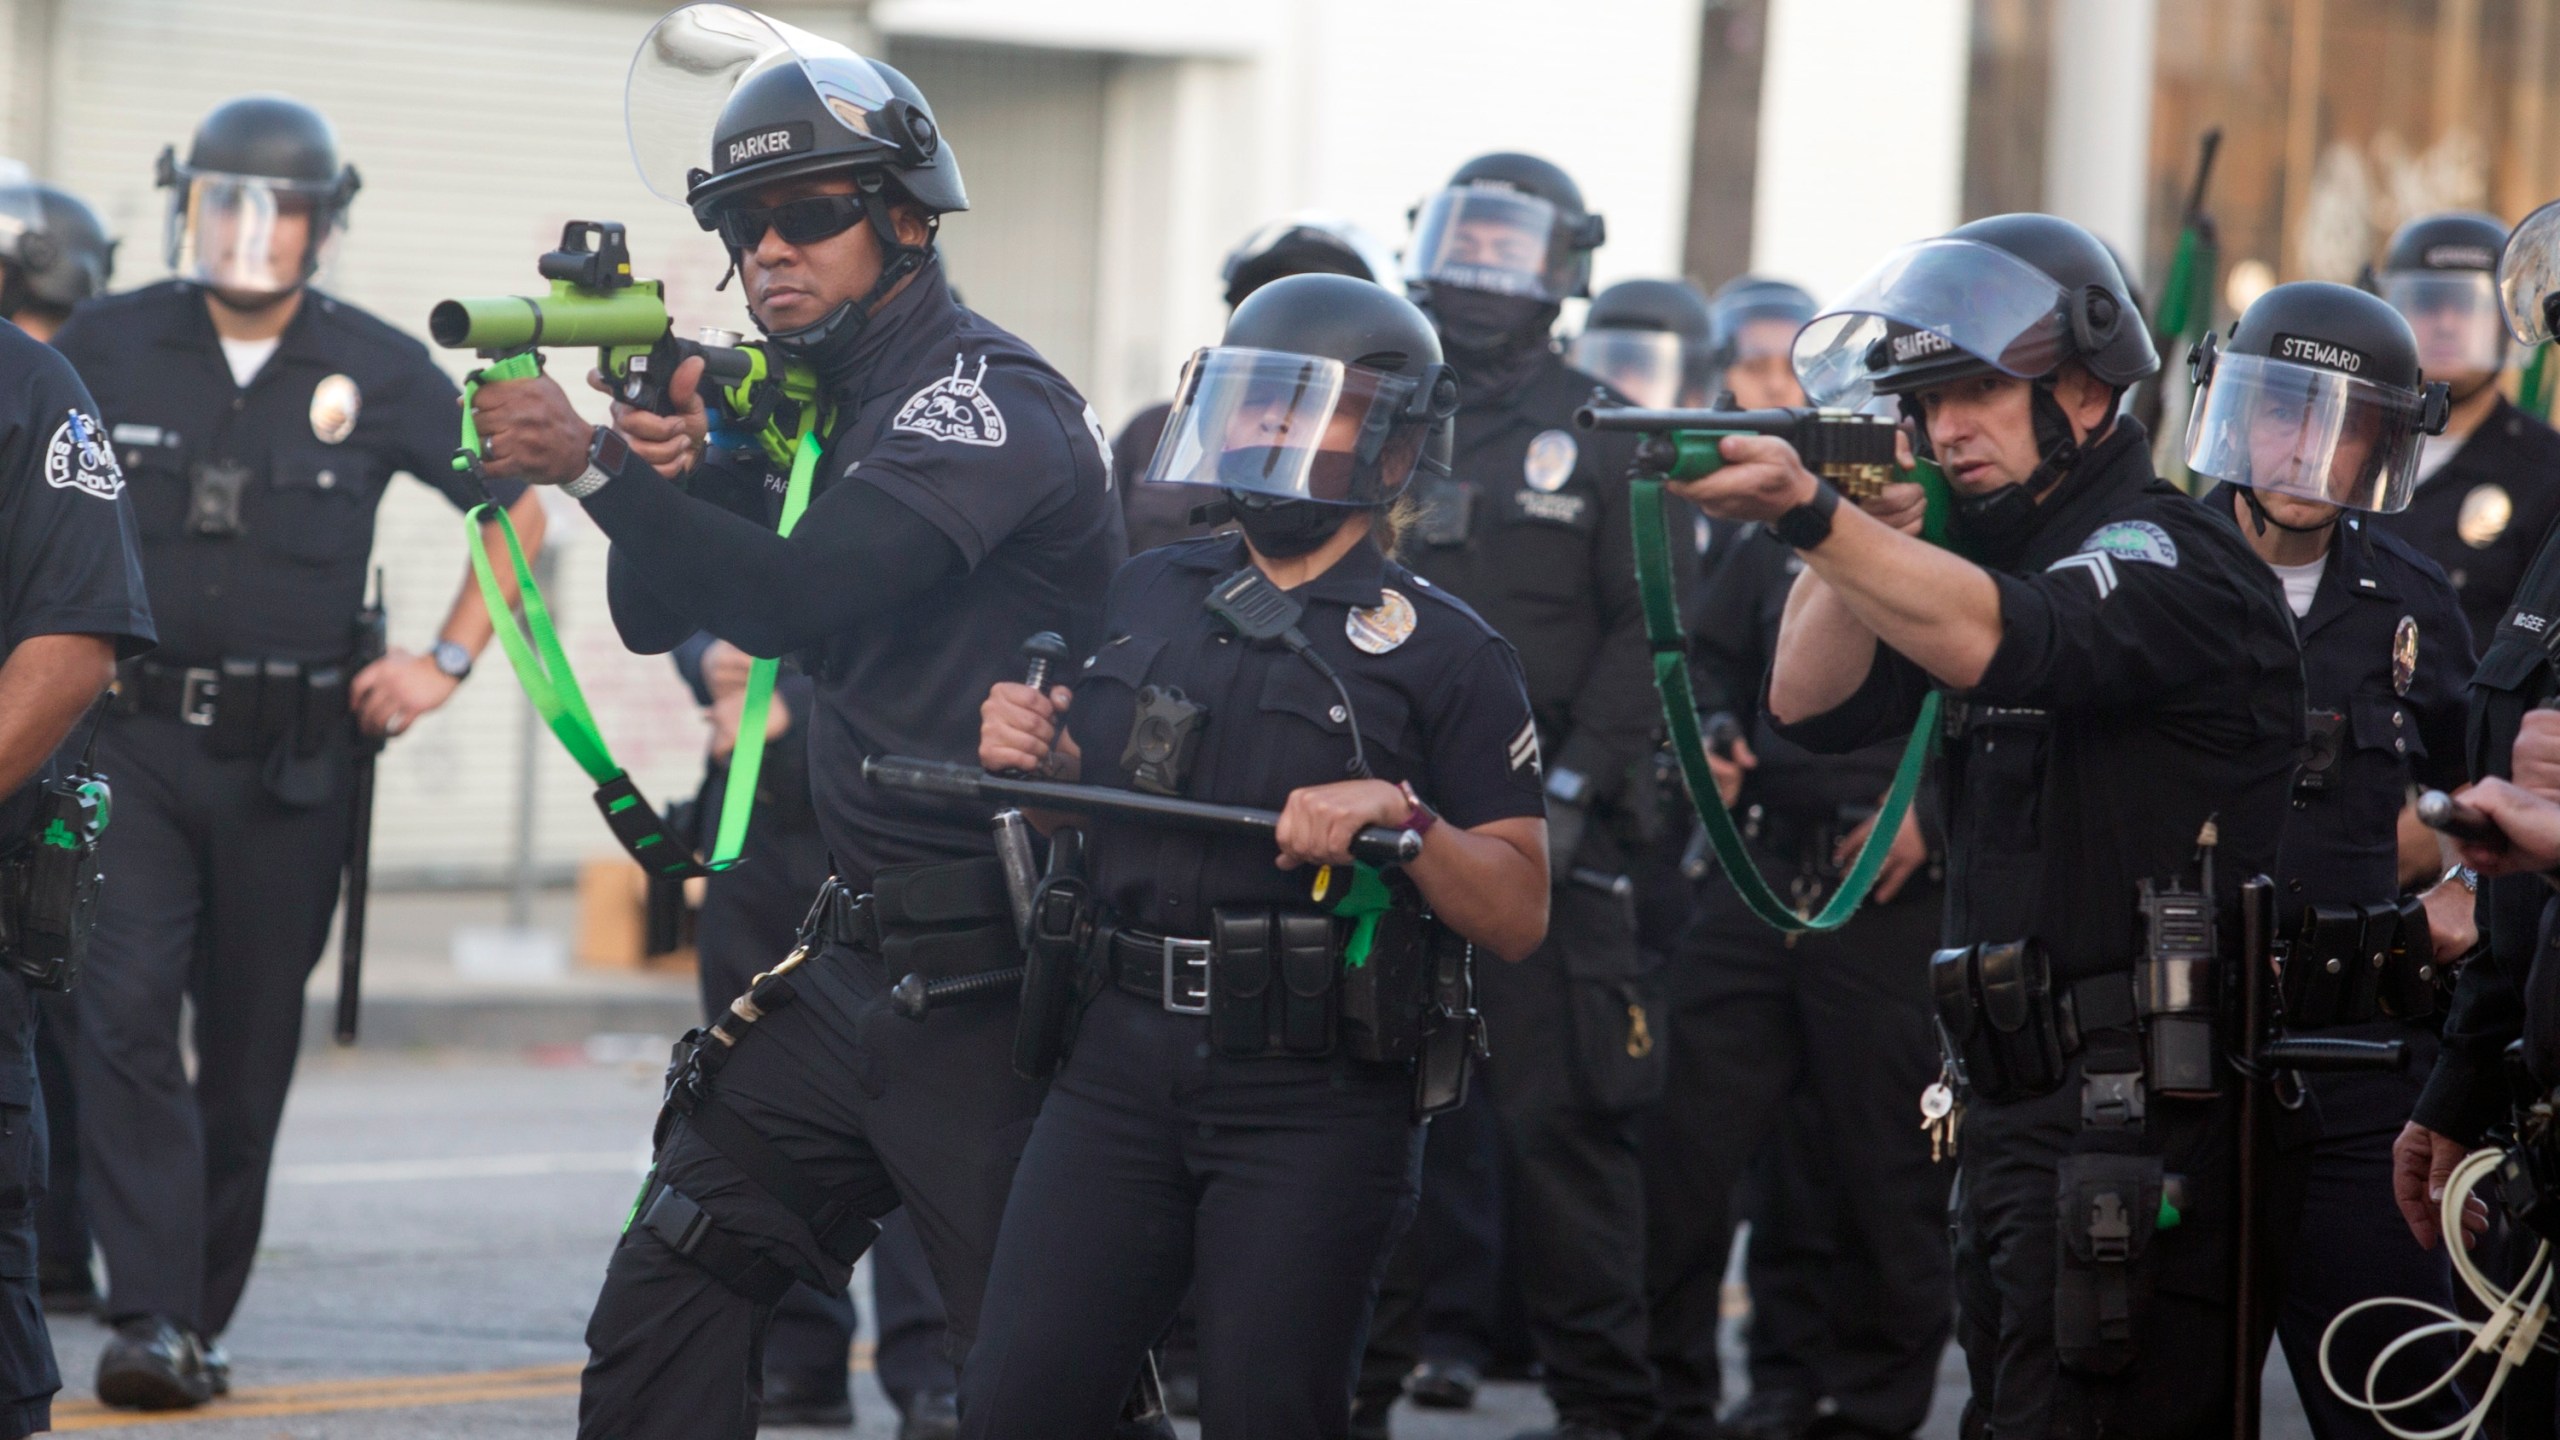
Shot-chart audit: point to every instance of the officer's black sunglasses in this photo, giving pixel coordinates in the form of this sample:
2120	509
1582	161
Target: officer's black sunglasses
804	221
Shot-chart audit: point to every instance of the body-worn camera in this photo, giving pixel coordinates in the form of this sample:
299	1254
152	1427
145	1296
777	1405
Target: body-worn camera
1163	736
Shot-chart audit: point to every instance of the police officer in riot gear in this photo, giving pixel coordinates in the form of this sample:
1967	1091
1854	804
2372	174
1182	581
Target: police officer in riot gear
1652	341
1795	1057
1531	528
258	421
747	918
2125	693
2312	416
71	605
961	502
1305	244
2489	486
1229	1118
54	253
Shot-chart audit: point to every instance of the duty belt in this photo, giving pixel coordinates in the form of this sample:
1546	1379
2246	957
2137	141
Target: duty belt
193	693
1168	969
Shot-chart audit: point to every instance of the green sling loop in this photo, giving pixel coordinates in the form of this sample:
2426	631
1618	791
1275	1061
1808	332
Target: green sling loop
1680	712
541	665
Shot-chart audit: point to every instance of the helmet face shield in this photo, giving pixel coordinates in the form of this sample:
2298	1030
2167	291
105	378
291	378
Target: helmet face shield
1494	239
2529	273
2309	432
1654	368
695	58
21	210
2455	315
1931	312
1293	427
248	234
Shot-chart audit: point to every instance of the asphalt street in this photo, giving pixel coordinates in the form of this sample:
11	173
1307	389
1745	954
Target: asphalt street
437	1229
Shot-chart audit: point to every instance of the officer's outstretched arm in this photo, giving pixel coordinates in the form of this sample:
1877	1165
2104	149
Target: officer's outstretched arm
45	687
856	553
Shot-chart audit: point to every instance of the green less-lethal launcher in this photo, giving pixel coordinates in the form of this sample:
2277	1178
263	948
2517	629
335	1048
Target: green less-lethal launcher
593	301
1851	449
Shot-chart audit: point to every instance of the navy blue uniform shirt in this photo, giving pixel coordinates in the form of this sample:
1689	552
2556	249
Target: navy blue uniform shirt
2484	515
1549	561
2147	679
69	562
966	426
343	404
2385	650
1443	707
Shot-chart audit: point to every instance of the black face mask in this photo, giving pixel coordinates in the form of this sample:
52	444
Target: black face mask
1286	529
1482	326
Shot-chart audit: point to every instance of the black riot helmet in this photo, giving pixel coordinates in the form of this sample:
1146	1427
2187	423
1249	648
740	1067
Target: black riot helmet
1746	299
764	101
1304	245
253	161
1324	388
54	251
1650	340
2441	272
2317	394
2015	295
1506	224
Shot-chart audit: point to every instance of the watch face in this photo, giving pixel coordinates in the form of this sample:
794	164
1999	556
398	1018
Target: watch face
452	659
609	451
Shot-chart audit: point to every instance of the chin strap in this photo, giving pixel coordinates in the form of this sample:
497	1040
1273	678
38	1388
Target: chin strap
848	318
2057	450
2258	515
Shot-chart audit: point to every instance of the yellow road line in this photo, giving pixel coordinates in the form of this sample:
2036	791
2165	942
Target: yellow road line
385	1392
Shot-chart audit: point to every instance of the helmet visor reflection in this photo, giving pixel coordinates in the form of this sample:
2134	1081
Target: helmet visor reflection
1296	427
1650	367
2529	273
2456	317
1936	300
1484	237
697	56
243	233
2315	434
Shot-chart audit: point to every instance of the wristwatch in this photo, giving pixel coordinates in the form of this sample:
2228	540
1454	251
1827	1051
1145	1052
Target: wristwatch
1809	524
605	455
451	659
1422	817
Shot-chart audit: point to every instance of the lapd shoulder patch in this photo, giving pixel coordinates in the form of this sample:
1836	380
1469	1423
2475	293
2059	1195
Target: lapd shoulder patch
1549	462
79	458
1383	626
2133	540
954	408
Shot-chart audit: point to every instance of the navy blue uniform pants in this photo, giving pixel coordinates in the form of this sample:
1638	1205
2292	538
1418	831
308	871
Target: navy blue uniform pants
750	917
1758	1028
2349	1244
1272	1188
874	1108
27	1374
220	895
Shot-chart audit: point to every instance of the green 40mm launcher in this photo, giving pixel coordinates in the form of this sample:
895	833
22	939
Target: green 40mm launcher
1857	454
594	301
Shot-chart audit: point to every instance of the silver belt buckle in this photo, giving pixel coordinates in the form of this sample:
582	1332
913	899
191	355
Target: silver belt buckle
1186	962
197	691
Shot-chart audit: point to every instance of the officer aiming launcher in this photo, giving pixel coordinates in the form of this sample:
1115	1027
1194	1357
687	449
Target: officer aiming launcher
1852	450
593	301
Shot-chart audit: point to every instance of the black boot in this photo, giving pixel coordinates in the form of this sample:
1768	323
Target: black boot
153	1364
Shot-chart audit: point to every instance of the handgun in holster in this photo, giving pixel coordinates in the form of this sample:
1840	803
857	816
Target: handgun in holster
49	888
1057	973
1453	1037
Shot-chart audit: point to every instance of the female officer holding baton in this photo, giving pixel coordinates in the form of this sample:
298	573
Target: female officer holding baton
1223	1120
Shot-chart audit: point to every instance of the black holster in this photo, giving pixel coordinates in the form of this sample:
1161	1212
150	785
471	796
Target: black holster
1453	1034
1061	970
1997	1017
2107	1209
50	881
